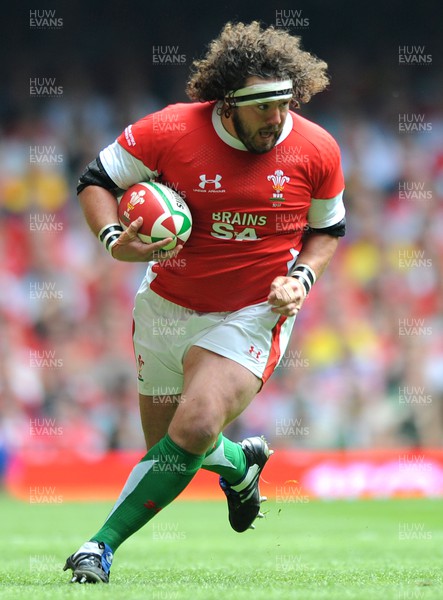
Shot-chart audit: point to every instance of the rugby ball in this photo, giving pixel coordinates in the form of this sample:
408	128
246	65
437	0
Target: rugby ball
165	213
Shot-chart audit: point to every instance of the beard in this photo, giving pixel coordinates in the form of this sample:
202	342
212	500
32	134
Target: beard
258	142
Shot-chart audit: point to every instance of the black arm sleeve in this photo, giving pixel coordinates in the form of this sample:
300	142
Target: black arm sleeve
337	230
95	174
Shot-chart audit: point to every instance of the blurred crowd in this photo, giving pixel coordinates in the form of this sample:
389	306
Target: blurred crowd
365	363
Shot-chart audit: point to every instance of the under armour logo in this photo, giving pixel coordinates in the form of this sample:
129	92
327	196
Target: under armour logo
255	353
215	181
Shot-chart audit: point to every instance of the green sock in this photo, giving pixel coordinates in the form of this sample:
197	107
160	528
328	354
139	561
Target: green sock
227	459
153	483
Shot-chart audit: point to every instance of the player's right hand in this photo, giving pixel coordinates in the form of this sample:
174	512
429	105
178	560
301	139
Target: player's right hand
286	296
130	248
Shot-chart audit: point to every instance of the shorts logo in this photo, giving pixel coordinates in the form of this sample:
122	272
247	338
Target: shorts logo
255	353
140	363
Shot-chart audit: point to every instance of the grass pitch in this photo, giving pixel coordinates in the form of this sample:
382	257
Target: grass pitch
315	550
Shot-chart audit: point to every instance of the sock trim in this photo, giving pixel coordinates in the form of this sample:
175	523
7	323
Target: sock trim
178	448
218	458
138	472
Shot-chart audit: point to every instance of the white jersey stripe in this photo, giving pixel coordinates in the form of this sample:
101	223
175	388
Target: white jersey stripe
324	213
123	168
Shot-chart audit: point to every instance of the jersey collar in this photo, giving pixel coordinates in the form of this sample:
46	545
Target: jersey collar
230	140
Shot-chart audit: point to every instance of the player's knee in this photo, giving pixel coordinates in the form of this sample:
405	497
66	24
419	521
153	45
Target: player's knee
195	434
204	432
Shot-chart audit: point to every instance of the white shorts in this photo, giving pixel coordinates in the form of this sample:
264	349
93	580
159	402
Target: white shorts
253	336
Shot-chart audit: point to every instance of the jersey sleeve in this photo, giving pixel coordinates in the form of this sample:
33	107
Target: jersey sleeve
132	157
325	212
329	181
138	139
327	206
124	168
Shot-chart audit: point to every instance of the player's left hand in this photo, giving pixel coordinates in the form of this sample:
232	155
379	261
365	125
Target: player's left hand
286	296
130	248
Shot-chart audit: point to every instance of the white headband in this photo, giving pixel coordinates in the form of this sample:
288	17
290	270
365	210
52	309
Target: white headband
262	92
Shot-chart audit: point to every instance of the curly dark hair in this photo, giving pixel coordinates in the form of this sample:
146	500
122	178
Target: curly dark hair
245	50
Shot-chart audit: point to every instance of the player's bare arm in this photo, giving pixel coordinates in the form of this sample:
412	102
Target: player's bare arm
288	293
100	208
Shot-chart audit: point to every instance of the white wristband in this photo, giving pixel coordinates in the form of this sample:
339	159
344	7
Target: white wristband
109	234
305	274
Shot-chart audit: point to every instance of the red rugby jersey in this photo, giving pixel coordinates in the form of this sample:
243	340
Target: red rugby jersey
249	210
